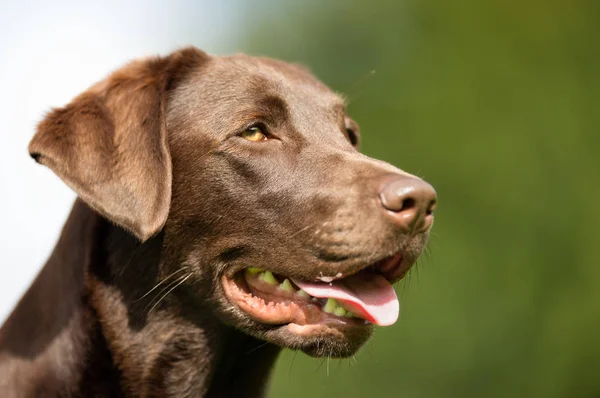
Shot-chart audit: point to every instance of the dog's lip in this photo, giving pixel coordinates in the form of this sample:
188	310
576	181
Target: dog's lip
391	266
394	267
286	310
319	329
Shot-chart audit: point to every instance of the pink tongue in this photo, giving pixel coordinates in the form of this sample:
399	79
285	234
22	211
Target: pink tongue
369	296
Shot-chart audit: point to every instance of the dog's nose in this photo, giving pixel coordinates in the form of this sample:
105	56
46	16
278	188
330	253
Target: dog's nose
410	202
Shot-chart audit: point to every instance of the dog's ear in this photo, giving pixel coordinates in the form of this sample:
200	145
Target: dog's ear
110	143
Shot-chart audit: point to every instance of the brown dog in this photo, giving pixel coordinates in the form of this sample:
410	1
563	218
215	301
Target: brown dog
211	189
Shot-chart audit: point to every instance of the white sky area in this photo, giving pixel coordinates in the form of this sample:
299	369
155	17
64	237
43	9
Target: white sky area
49	53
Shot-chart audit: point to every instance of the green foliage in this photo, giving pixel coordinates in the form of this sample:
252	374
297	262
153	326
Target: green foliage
496	103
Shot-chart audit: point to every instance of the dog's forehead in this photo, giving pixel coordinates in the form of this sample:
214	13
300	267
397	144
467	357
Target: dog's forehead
279	75
239	78
226	91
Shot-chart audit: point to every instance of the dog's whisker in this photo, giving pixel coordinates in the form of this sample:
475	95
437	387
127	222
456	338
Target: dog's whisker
352	91
320	364
173	288
155	298
291	365
370	348
302	230
129	260
256	348
216	219
408	279
429	256
160	283
164	289
429	259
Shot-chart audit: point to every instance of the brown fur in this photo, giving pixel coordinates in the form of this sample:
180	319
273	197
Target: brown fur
167	189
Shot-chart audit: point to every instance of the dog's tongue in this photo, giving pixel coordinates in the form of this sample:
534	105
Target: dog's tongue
370	296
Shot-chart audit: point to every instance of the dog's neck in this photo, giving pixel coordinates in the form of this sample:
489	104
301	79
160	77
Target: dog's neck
158	344
145	350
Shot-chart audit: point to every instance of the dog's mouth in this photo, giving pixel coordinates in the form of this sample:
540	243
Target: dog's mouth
363	298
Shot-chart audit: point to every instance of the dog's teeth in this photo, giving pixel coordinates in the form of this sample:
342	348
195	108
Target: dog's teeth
268	278
333	307
339	311
330	305
286	286
302	294
254	270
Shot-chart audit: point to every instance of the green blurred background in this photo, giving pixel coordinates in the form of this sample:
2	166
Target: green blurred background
496	104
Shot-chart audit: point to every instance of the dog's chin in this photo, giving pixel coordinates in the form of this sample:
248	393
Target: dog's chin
320	340
316	340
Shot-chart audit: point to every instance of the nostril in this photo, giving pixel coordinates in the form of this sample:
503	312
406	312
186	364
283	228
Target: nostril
431	208
407	203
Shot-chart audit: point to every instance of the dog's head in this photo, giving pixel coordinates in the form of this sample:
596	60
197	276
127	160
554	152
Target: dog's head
249	169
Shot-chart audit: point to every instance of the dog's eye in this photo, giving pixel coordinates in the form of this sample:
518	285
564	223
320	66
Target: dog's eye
254	134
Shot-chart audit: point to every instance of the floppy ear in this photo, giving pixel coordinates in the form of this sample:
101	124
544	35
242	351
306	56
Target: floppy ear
110	143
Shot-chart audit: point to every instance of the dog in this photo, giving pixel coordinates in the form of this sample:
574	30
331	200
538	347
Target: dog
224	212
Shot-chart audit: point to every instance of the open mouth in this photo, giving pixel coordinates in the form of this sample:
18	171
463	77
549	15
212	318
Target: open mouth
360	299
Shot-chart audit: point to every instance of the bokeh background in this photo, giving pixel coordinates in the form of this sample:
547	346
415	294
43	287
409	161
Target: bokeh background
496	103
